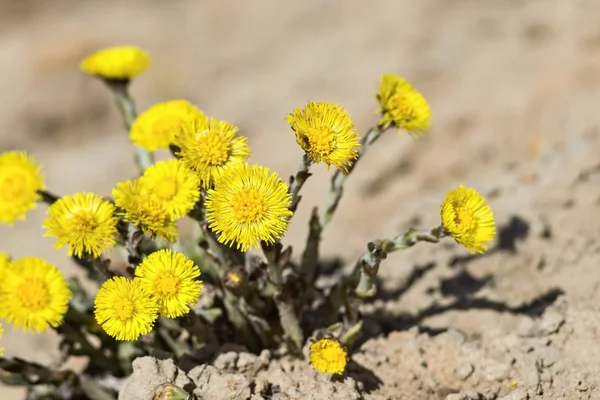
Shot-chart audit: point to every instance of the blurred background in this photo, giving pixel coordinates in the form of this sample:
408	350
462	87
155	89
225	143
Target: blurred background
513	84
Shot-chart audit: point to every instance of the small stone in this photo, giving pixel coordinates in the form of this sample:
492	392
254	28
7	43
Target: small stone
456	335
244	360
491	393
517	394
496	371
551	322
465	371
226	360
456	396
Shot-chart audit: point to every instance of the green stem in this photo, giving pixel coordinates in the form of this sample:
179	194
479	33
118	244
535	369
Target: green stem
297	181
48	197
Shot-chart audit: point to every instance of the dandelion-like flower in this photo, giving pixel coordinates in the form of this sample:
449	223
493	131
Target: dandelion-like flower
247	206
211	147
116	63
144	210
20	180
124	309
85	222
328	356
402	105
468	219
34	295
156	127
174	185
173	278
326	133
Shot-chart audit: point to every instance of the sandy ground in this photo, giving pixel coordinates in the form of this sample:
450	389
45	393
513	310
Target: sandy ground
514	86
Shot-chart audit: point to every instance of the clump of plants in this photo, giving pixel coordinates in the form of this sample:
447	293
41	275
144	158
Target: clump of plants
160	292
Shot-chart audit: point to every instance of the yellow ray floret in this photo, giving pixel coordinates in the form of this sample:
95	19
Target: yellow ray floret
173	278
85	222
468	219
328	356
116	63
326	133
20	180
34	295
248	205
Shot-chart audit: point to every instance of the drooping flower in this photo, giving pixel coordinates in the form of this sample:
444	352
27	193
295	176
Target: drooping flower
402	105
326	133
328	356
34	295
248	205
20	180
174	185
124	309
85	222
144	210
116	63
468	219
156	127
173	278
211	147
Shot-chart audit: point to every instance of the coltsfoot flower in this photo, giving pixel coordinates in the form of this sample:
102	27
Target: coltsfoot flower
124	309
211	147
174	185
247	206
116	63
326	133
144	210
156	127
34	295
468	219
328	356
402	105
20	180
85	222
173	278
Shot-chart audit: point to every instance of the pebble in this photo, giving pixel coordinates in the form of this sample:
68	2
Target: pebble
465	371
517	394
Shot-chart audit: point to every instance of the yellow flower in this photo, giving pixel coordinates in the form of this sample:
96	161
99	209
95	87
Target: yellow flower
116	63
20	180
156	127
173	278
402	105
34	295
85	222
328	356
174	185
124	309
144	210
468	219
210	147
326	133
247	206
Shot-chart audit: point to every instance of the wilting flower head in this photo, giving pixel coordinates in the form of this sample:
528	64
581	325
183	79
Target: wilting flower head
402	105
124	309
328	356
34	295
468	219
20	180
173	278
248	205
116	63
173	185
326	133
156	127
85	221
144	210
210	147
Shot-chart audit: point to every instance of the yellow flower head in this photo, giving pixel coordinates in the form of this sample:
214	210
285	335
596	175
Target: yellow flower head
210	147
85	221
326	133
173	278
247	206
124	309
20	180
144	210
402	105
156	127
174	185
116	63
328	356
468	219
34	295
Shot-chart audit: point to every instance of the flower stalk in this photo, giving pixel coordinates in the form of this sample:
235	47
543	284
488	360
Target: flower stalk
298	180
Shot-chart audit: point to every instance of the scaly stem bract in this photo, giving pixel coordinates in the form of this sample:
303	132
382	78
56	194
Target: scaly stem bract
297	181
